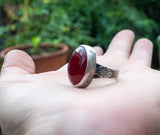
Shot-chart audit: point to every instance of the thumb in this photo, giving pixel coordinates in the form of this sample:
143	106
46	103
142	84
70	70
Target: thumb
17	62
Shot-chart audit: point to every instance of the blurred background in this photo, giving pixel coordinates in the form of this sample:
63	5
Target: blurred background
76	22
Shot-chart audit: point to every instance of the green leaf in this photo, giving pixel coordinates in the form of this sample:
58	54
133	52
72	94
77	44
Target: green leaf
56	42
36	41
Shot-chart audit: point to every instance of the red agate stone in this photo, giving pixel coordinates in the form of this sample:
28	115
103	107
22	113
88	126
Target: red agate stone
77	65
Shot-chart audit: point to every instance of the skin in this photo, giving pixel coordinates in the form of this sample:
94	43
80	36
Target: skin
47	104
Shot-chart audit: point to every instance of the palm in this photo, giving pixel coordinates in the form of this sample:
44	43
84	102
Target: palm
48	104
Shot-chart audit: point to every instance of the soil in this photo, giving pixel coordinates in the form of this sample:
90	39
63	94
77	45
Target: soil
41	50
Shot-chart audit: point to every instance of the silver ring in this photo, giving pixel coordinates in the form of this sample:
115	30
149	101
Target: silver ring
82	67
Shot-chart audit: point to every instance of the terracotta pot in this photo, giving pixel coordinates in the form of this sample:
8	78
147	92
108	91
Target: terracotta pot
46	61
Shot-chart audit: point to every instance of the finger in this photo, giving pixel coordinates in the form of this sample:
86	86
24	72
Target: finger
121	44
142	52
98	50
17	62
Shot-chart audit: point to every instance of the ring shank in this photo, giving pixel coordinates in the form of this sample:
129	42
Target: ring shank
105	72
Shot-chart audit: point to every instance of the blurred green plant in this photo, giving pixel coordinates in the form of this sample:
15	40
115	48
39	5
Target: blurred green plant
47	20
76	22
149	7
36	41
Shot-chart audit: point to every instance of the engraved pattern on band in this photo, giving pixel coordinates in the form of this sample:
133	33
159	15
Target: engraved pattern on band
105	72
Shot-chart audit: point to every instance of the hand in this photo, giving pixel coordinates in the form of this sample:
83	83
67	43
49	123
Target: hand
47	104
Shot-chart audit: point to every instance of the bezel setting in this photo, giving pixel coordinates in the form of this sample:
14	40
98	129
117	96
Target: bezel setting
90	68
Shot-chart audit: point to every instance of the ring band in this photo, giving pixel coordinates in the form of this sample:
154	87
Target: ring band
105	72
82	67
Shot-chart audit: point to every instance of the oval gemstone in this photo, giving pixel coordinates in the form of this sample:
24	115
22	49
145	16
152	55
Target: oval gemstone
77	65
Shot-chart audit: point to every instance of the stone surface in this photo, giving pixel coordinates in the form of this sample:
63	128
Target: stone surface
77	65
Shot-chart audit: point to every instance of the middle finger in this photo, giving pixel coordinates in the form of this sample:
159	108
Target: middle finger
121	44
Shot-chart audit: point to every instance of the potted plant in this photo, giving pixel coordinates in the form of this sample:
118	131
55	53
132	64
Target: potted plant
42	26
46	56
47	53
